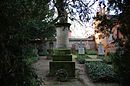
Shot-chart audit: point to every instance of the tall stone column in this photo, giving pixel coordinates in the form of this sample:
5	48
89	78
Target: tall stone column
62	35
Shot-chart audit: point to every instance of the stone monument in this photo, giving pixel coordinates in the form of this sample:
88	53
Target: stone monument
81	48
62	35
62	67
100	49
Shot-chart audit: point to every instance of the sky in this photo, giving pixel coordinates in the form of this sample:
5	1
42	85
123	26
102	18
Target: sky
86	29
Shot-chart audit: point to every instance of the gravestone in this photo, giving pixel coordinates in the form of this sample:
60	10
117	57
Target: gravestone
81	48
101	49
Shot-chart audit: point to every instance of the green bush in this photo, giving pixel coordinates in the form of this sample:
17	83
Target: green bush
32	59
109	59
121	63
42	52
91	52
81	58
99	71
18	70
31	55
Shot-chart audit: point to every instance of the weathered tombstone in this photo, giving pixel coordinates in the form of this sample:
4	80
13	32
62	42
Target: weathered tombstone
100	49
81	48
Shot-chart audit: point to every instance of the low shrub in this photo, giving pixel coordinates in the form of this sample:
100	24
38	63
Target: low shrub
62	51
92	56
91	52
17	70
81	58
109	59
99	71
32	55
42	52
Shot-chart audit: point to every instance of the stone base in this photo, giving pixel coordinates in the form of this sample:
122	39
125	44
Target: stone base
62	57
69	66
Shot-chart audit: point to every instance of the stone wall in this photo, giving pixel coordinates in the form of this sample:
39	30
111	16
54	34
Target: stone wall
76	41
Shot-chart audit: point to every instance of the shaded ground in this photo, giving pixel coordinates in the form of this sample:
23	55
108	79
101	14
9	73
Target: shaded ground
81	79
42	66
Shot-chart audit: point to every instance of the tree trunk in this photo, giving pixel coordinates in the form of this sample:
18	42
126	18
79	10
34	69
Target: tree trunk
62	14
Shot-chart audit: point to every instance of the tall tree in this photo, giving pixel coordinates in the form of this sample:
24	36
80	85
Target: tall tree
73	8
21	21
122	61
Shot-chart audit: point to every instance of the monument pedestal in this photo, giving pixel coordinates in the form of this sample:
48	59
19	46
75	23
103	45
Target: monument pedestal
62	35
62	66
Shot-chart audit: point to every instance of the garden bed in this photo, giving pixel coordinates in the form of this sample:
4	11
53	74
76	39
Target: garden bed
91	52
100	71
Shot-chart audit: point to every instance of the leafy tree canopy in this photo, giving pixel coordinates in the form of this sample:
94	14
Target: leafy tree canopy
81	8
25	16
21	21
122	60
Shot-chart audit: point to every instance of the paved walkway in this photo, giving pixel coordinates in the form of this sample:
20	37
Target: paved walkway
81	79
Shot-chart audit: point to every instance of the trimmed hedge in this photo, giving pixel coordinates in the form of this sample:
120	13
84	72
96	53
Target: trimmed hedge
100	71
62	51
66	65
91	52
62	57
81	58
